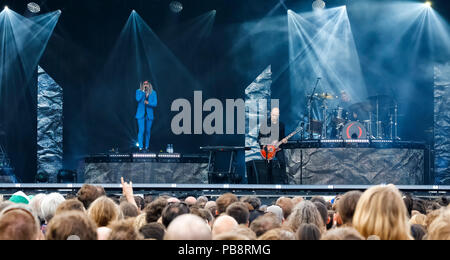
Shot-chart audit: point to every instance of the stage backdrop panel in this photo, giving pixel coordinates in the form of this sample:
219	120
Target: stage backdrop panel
258	92
355	166
147	172
442	123
49	126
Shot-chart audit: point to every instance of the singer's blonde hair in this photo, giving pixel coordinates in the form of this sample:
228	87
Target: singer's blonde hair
381	211
141	86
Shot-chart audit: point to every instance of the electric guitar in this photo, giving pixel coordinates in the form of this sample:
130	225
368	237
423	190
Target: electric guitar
270	151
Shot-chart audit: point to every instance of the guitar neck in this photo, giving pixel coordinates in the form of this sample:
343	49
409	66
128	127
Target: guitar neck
289	137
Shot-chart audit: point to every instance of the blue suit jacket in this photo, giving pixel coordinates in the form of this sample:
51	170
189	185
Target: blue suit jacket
152	103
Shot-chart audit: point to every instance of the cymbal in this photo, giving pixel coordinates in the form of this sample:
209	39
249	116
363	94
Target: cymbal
324	96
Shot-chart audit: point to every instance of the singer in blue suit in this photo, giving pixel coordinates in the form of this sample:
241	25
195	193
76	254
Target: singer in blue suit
147	101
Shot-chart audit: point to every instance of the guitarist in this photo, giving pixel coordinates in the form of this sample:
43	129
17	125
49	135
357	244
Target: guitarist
270	138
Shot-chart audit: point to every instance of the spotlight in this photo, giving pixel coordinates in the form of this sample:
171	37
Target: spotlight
176	6
318	5
33	7
6	8
428	3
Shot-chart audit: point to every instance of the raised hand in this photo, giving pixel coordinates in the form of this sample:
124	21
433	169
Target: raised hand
127	191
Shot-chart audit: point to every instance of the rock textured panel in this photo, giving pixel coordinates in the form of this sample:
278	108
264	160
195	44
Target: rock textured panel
147	173
49	125
259	90
442	123
356	166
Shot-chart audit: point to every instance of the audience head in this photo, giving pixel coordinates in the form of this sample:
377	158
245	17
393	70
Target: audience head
409	202
190	201
381	211
245	231
254	201
103	211
224	201
203	213
88	194
202	199
154	210
69	205
286	205
224	224
308	231
49	204
239	211
418	219
124	230
296	200
20	198
211	206
305	213
432	216
277	211
188	227
319	199
140	202
153	231
17	222
71	225
35	205
323	212
173	210
418	232
439	229
128	210
264	223
346	206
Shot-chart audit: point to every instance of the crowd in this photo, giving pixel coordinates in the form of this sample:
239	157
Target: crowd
379	213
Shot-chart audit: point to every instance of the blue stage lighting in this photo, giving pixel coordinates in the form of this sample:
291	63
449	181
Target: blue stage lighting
33	7
176	6
318	4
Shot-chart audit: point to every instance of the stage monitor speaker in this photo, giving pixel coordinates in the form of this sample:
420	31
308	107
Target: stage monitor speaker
258	172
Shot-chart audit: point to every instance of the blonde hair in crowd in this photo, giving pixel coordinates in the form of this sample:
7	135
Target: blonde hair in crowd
104	211
382	212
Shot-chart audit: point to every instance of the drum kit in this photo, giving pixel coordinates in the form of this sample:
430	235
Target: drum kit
375	118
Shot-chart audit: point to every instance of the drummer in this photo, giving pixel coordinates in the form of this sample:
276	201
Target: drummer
345	102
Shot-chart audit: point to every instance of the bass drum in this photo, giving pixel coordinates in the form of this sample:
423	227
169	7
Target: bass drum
354	130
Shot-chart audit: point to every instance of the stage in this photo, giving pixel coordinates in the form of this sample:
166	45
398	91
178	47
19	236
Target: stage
315	162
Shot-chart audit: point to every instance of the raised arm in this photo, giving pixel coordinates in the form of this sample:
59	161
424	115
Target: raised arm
140	95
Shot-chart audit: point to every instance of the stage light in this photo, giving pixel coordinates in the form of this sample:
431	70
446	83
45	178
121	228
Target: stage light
428	3
176	6
6	8
318	5
137	144
33	7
